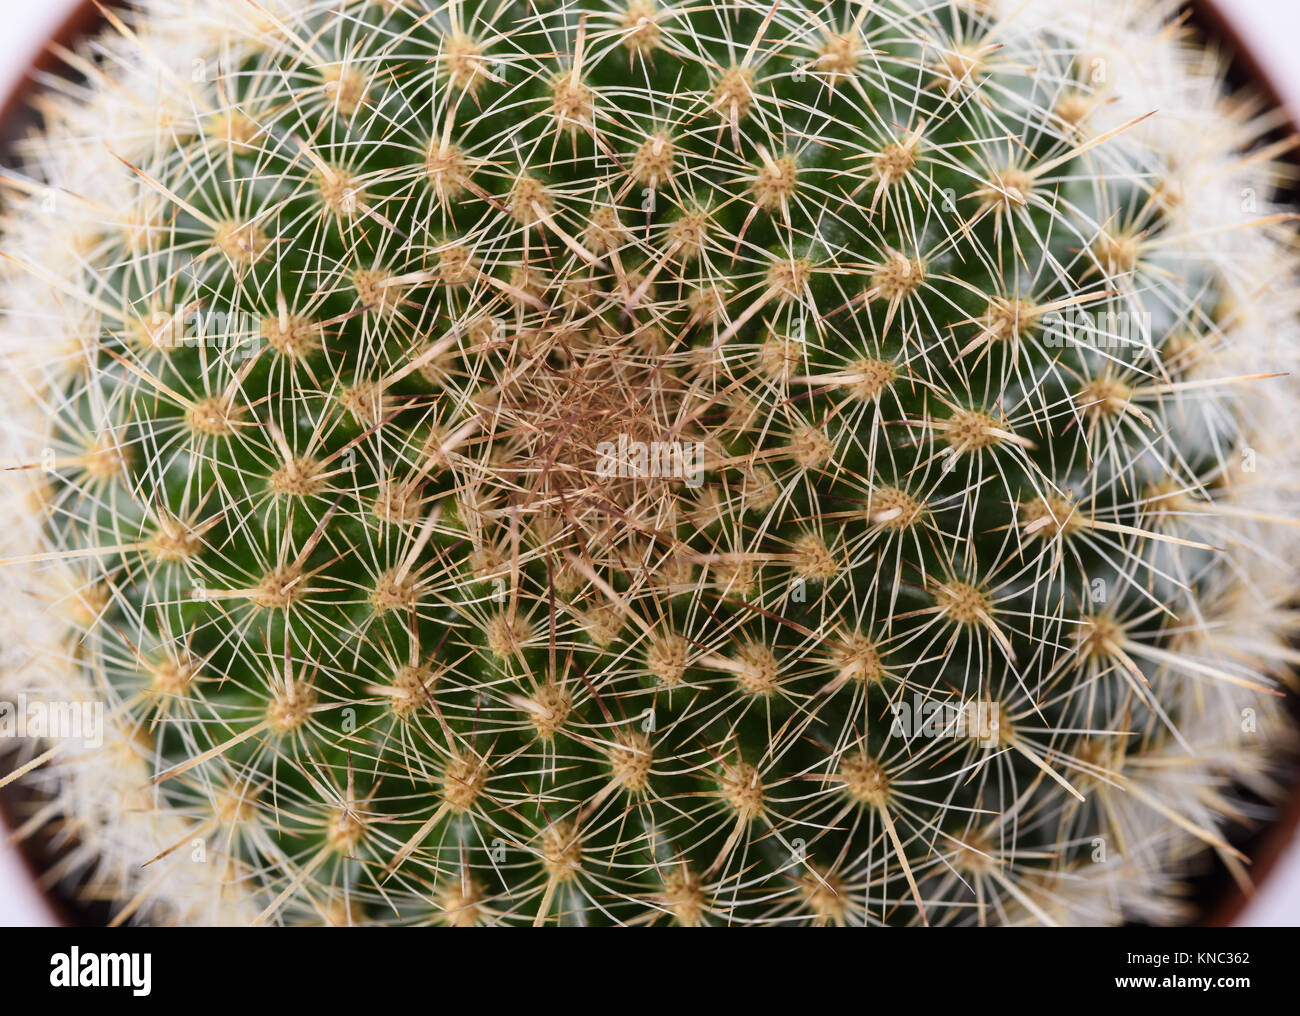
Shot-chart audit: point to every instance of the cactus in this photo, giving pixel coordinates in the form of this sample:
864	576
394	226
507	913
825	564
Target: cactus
620	463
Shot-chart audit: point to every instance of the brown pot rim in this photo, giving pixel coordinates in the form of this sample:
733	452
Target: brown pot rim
1246	70
82	20
1284	830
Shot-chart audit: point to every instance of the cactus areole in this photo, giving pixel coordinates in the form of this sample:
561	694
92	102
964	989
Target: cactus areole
636	462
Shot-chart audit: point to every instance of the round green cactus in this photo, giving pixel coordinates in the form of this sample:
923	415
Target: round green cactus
618	462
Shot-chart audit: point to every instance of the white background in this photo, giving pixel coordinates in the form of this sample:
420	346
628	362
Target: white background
1271	28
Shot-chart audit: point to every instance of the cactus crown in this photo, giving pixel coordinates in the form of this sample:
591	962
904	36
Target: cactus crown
626	462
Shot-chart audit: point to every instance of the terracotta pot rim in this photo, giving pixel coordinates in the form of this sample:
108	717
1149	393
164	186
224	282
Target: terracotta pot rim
80	21
1246	71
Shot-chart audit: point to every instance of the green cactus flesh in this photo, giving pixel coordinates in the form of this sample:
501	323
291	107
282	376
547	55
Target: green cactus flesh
407	642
